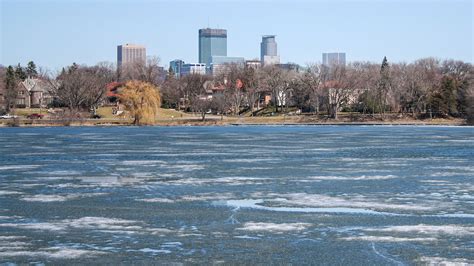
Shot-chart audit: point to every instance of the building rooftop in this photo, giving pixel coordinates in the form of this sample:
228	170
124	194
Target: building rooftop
131	45
208	32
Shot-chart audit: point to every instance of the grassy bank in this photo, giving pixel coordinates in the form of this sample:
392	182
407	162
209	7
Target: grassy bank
171	117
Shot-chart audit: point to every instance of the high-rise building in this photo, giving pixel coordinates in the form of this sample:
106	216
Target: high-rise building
331	59
188	69
212	42
220	63
176	66
255	64
130	53
268	51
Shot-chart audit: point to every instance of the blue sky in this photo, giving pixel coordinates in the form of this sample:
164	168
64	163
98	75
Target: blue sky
55	33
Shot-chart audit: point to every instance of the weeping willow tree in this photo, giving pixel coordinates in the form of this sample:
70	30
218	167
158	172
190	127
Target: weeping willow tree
142	100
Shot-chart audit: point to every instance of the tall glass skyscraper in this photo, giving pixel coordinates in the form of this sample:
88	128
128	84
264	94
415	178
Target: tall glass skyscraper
212	42
268	50
331	59
176	66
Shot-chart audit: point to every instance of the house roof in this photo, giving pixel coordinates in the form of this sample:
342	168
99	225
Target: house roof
36	85
112	88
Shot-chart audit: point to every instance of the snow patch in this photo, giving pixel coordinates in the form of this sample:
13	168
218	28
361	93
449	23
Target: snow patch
388	239
455	230
9	192
363	177
434	261
150	250
274	227
55	198
107	225
54	253
161	200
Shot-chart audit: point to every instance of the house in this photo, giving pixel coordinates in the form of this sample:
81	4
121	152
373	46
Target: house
34	93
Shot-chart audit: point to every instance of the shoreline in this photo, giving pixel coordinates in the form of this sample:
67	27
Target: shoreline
235	122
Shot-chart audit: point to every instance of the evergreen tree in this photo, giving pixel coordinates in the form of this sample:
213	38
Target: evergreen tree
463	101
10	88
444	101
31	70
384	85
171	74
20	73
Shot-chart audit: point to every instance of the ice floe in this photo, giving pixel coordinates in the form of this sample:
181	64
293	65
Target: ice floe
388	239
274	227
55	198
435	261
247	237
257	204
161	200
53	253
9	192
103	224
319	200
151	250
17	246
18	167
449	229
196	197
362	177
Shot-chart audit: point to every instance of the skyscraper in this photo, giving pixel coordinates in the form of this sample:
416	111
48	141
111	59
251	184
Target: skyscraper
130	53
330	59
176	66
212	42
268	51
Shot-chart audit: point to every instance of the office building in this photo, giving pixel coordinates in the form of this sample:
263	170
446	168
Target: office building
255	64
176	66
221	63
130	53
212	42
331	59
227	60
188	69
291	67
268	51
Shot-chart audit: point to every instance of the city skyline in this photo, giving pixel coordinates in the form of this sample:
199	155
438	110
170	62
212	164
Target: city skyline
308	30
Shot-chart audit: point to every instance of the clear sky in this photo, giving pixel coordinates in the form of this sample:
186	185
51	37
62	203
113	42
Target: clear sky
55	33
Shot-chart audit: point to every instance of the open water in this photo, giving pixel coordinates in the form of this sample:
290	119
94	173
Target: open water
386	195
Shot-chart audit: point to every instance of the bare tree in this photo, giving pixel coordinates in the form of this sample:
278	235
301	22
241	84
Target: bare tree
195	94
341	88
252	82
232	79
312	88
171	92
148	71
81	87
275	80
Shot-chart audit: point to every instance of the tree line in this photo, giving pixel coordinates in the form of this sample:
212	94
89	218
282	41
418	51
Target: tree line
426	88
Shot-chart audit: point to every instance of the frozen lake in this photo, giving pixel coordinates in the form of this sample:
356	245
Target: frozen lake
394	195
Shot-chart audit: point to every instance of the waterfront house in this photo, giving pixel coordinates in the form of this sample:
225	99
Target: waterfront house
34	93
